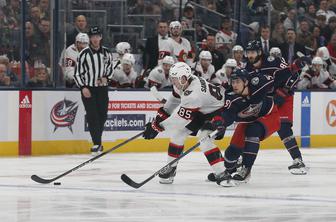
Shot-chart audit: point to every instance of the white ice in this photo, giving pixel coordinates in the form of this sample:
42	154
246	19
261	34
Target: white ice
96	193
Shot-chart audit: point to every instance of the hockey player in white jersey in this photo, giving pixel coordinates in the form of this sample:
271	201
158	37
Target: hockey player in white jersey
159	76
316	77
122	48
124	75
193	101
328	62
176	46
69	58
222	76
238	55
203	67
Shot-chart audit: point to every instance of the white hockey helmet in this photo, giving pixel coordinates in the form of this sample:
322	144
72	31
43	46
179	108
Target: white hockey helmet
128	59
123	47
168	60
82	38
323	53
175	24
275	52
230	63
178	70
205	55
237	48
317	61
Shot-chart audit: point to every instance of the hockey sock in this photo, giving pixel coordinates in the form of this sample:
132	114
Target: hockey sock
287	137
254	132
250	151
174	151
215	159
231	156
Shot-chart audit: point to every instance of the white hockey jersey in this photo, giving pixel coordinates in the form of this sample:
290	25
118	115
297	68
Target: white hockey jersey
314	80
158	78
225	38
199	96
180	51
122	78
68	61
198	71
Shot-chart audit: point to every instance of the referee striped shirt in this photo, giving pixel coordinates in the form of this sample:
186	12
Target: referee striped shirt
92	65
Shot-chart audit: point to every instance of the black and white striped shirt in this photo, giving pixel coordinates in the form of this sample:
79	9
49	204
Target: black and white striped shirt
93	65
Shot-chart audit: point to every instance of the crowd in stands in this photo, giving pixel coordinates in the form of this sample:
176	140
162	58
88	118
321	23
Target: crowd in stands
209	41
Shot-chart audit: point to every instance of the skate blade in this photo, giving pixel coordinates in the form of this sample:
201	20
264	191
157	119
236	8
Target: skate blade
228	183
166	181
299	171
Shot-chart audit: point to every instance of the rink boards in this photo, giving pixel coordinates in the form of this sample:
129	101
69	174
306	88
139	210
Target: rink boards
53	122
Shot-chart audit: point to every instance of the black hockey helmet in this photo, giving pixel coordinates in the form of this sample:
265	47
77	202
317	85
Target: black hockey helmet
253	45
94	30
240	74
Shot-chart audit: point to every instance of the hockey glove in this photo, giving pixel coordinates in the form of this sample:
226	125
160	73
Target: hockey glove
217	122
299	63
152	130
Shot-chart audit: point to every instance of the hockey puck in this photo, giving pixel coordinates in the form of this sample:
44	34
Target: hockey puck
57	183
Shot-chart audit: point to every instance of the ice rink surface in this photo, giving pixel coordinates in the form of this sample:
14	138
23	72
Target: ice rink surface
96	193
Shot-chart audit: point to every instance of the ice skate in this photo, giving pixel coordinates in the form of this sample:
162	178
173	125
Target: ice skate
298	167
224	179
168	176
242	175
96	149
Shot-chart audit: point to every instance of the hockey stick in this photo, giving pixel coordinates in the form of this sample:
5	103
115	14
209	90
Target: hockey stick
45	181
164	169
157	95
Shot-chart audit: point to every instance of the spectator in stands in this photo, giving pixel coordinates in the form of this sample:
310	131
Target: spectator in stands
290	22
226	38
44	27
290	48
35	49
321	21
151	52
279	34
217	56
266	43
41	77
201	32
4	79
332	47
311	14
324	8
330	28
80	26
44	8
13	77
35	16
13	10
188	15
8	26
304	36
318	39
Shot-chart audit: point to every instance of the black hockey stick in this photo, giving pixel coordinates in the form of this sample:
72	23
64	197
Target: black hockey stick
45	181
164	169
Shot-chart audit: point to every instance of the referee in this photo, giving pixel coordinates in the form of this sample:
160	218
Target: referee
92	73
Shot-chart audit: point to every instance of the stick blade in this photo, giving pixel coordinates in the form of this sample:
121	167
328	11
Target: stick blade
130	182
40	180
